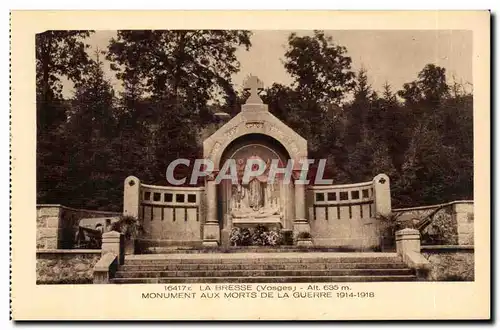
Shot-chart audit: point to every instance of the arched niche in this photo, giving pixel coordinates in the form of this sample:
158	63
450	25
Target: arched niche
261	123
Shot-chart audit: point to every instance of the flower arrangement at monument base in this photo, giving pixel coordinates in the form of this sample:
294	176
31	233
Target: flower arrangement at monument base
257	236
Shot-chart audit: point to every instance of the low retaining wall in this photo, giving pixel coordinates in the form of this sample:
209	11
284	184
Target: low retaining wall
57	225
452	225
450	262
65	266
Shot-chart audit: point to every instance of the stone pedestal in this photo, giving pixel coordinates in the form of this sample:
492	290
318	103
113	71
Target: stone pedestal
408	247
113	242
300	226
211	234
407	240
131	197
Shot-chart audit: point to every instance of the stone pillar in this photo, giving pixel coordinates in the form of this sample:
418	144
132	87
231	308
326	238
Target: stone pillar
300	223
407	240
382	195
113	242
211	230
300	203
48	226
132	196
463	214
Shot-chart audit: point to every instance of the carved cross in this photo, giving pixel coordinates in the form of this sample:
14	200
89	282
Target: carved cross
254	85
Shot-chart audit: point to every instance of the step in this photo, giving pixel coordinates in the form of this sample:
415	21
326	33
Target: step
248	249
261	266
260	273
283	259
266	279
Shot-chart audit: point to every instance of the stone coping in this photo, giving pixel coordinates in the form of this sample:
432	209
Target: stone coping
415	208
341	186
74	209
172	188
447	248
68	251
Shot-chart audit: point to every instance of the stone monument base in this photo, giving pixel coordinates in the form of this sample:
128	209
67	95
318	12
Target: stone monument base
248	222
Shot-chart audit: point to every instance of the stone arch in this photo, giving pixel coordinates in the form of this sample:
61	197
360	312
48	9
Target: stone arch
250	124
251	139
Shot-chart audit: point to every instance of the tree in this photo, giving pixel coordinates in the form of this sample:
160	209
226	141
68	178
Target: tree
187	67
438	142
359	110
91	130
319	67
177	73
395	127
432	83
58	54
428	90
311	105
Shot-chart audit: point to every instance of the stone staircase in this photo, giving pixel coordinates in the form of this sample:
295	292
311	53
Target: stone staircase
249	267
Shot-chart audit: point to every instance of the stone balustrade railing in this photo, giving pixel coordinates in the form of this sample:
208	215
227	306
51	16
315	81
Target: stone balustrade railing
348	212
167	213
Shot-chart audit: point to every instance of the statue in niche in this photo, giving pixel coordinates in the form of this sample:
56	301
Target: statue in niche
255	195
258	199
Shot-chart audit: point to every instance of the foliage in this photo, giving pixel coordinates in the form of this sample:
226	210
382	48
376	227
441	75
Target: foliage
59	54
259	236
319	67
184	67
91	132
273	237
436	227
240	237
389	225
442	229
129	226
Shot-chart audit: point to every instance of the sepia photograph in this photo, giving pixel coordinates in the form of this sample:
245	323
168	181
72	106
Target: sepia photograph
388	115
291	164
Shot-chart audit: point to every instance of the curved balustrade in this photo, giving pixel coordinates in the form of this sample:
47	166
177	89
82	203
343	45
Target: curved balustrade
166	213
345	214
341	201
347	194
170	196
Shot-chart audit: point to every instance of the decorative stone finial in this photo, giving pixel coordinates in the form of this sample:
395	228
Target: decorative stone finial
254	85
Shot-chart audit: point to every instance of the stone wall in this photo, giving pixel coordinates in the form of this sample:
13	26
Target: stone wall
57	225
450	263
346	215
65	266
452	225
167	214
